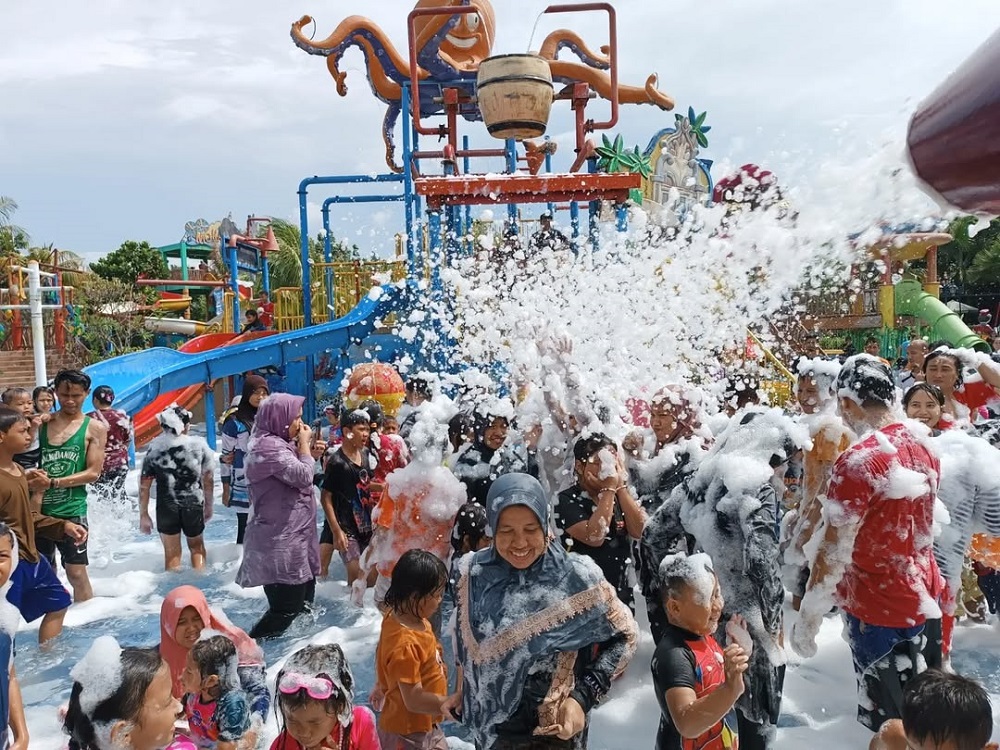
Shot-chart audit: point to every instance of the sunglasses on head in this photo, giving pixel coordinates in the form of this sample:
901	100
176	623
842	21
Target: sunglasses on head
318	686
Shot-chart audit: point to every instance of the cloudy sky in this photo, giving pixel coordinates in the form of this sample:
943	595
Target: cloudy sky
122	119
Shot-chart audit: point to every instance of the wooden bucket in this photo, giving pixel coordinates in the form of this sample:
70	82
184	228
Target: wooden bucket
515	95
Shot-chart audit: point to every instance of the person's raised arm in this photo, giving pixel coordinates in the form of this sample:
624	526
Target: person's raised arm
693	716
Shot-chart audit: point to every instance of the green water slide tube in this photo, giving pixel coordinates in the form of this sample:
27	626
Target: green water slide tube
945	324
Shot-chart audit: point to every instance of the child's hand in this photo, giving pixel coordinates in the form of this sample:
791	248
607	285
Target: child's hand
376	698
737	632
75	532
735	662
452	706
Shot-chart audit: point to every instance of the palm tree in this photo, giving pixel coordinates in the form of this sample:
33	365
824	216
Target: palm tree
286	263
13	238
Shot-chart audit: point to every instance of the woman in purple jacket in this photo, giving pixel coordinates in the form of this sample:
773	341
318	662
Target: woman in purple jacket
281	547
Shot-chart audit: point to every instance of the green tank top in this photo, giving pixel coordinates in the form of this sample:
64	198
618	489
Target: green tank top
62	461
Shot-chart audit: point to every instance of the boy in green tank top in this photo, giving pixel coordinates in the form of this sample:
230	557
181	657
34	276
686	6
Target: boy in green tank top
72	457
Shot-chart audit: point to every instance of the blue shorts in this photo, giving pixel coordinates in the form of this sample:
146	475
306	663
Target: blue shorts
884	660
36	590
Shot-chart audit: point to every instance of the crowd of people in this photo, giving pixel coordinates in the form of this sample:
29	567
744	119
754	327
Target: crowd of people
523	533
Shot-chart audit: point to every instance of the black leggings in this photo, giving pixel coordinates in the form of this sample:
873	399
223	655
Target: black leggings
241	526
285	601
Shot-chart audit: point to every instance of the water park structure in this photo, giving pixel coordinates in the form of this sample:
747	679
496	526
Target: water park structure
450	75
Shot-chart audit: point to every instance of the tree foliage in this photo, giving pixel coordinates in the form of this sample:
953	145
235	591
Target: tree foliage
286	263
129	261
13	239
971	261
107	320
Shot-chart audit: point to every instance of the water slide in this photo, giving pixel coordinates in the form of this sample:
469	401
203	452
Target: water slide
146	426
141	378
945	324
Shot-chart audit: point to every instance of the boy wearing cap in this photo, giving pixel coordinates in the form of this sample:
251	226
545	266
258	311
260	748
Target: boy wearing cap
183	467
111	484
877	553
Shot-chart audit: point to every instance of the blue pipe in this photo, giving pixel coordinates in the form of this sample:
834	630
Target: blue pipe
408	196
209	402
265	270
595	208
328	257
574	223
548	170
303	194
621	217
511	146
234	282
467	213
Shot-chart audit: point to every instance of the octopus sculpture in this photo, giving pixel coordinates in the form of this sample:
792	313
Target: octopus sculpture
448	51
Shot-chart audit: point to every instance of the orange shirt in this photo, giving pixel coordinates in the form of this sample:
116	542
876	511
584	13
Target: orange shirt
412	657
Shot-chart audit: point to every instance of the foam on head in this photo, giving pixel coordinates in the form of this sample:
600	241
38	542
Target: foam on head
99	673
695	571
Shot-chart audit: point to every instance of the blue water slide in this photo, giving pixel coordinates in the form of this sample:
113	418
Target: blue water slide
138	378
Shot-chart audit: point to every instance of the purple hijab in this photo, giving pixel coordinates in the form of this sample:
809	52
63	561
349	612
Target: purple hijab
281	543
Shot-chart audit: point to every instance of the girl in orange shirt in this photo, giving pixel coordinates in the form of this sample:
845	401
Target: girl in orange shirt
411	678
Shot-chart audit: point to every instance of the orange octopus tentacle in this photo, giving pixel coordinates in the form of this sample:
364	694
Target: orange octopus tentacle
600	82
353	30
561	38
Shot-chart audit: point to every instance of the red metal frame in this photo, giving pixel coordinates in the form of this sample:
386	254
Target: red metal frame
481	189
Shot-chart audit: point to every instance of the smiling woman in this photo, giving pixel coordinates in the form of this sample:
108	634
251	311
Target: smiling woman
540	633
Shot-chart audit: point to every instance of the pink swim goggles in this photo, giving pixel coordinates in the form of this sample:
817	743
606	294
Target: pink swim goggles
318	686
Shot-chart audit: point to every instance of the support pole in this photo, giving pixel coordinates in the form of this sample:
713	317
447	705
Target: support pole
234	281
37	323
209	402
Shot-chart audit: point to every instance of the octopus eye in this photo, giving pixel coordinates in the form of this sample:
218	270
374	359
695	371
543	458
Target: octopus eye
472	21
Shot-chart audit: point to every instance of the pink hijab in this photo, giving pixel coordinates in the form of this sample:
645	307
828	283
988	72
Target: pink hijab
175	655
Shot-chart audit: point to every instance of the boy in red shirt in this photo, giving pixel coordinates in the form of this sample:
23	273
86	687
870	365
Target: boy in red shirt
876	557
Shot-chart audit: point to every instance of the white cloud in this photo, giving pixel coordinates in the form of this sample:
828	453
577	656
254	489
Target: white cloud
121	119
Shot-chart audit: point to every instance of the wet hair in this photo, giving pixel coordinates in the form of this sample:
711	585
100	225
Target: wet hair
9	417
458	427
938	352
72	377
316	661
588	446
938	706
470	525
11	395
251	313
216	656
40	390
939	344
869	379
873	340
353	418
932	390
376	415
104	394
138	668
417	574
675	579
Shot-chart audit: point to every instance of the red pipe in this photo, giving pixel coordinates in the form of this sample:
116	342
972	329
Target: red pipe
613	54
414	78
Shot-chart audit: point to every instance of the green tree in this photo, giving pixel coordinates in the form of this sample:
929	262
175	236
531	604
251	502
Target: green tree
286	263
107	318
130	261
971	261
13	239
